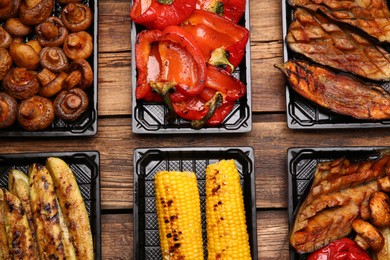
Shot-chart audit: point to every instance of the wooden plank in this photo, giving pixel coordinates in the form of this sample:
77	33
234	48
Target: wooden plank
117	236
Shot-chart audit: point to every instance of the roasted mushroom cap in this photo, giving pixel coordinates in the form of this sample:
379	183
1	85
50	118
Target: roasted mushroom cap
9	8
21	83
51	32
35	113
8	110
70	104
15	27
54	59
81	75
78	45
76	17
5	38
24	55
5	62
51	83
33	12
35	45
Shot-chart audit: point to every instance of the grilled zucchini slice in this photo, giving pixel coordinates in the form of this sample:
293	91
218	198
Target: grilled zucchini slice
4	248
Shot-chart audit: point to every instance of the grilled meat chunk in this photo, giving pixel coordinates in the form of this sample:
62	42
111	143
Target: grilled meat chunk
342	94
339	195
327	43
370	16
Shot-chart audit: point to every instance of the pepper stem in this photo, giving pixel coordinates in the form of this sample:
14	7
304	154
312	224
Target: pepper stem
163	89
213	105
165	2
219	57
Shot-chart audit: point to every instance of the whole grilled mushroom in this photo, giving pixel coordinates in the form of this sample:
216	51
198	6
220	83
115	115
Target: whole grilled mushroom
51	83
54	59
35	113
5	62
16	28
9	8
8	110
78	45
33	12
24	55
51	32
21	83
80	75
5	38
69	105
76	17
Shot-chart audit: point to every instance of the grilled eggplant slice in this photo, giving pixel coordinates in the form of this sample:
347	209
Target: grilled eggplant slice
18	231
73	207
342	94
370	16
19	185
324	42
5	252
46	213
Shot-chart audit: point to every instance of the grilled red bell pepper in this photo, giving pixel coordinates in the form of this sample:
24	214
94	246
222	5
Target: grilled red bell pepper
342	249
229	9
222	42
168	59
158	14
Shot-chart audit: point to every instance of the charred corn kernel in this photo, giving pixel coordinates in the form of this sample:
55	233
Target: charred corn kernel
178	213
227	236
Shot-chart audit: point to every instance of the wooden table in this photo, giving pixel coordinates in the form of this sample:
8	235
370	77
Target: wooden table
269	137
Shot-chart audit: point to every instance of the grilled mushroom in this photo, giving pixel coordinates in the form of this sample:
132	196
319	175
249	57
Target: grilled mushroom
35	45
51	32
35	113
15	27
33	12
78	45
70	104
5	62
9	8
24	55
50	82
8	110
21	83
81	75
5	38
54	59
76	17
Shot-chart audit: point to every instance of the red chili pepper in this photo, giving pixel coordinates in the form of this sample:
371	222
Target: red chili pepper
229	9
342	249
222	42
168	59
158	14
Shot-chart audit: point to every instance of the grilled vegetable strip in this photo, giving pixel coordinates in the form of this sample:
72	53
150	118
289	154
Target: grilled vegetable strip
178	213
19	234
372	16
4	247
45	212
340	93
18	184
227	236
327	43
73	207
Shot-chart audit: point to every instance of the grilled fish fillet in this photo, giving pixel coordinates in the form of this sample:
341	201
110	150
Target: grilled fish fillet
4	248
327	43
342	94
370	16
339	195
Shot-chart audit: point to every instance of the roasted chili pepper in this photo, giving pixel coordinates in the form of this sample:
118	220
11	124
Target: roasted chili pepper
168	59
229	9
342	249
222	42
158	14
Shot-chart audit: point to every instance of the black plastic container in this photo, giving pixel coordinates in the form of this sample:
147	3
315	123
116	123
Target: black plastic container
301	164
149	117
305	114
147	162
86	125
85	166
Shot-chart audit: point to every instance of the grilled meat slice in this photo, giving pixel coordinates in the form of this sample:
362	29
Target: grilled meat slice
342	94
370	16
327	43
340	194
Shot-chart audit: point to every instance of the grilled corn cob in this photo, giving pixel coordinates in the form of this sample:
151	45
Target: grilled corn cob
227	236
179	217
4	248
